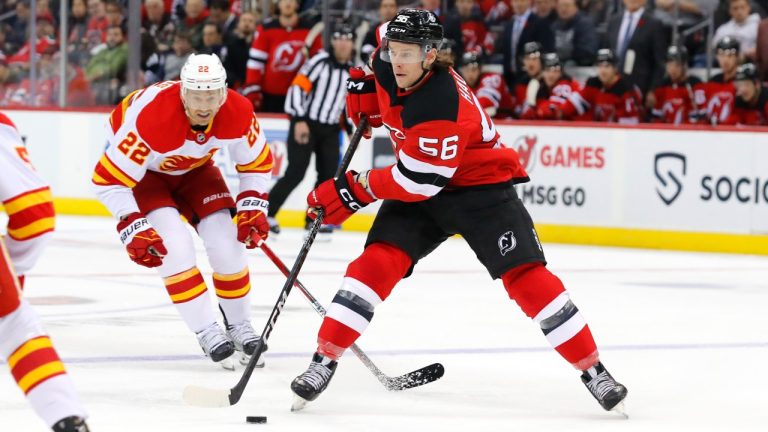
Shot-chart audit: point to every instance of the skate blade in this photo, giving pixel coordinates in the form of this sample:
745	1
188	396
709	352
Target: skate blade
228	363
621	410
245	359
298	403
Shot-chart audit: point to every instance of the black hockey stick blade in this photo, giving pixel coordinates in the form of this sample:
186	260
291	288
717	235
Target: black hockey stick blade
417	378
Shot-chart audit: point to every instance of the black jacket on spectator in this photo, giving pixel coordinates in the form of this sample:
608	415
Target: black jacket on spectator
236	59
535	29
576	40
649	42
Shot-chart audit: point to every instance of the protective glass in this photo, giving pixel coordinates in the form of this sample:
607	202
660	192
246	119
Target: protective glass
405	53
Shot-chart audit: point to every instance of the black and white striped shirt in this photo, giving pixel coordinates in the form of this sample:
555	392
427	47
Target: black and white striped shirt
319	91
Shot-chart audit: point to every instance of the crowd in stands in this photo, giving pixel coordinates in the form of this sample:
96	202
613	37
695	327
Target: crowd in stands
532	44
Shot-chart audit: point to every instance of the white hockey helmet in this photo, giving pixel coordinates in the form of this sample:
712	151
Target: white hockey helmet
203	72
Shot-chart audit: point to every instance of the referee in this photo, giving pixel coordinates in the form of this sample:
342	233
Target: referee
315	102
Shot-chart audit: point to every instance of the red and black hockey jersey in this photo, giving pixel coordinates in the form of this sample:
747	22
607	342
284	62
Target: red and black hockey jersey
493	94
619	103
720	95
549	102
754	114
441	137
474	35
277	54
678	103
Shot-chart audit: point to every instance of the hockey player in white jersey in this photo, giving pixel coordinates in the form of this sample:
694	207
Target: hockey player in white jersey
157	167
24	345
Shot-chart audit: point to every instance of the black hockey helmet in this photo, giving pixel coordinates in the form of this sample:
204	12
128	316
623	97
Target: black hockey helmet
342	29
532	49
550	61
746	72
415	26
606	55
728	45
472	57
678	54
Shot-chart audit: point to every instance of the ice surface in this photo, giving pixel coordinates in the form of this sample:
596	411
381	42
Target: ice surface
687	333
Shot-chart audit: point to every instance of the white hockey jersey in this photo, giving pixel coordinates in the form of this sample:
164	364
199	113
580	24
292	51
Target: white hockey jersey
26	199
149	130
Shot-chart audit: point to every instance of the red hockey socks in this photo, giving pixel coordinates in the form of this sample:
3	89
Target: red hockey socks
541	295
369	281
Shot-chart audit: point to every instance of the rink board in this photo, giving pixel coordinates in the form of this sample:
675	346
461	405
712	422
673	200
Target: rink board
648	186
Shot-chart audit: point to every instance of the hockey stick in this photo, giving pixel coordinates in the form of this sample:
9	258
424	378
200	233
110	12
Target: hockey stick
202	396
417	378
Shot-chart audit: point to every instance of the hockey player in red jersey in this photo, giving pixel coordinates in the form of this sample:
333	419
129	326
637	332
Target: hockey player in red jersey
556	88
489	87
679	97
751	107
719	90
158	166
607	97
452	176
277	53
24	345
529	82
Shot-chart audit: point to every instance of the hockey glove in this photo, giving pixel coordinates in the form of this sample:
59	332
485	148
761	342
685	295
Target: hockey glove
144	245
252	208
253	94
340	198
362	100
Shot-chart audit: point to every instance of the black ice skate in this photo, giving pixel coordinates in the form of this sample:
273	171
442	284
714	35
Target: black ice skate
71	424
609	393
215	343
308	386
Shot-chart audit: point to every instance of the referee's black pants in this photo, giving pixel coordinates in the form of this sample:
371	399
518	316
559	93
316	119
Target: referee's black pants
324	142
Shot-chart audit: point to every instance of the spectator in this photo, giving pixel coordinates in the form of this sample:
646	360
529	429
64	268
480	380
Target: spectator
742	27
97	23
451	25
607	97
46	43
719	90
77	41
761	50
17	35
491	91
174	60
600	12
276	56
524	27
212	41
496	11
545	9
106	69
113	10
193	23
474	34
220	15
640	43
8	82
679	98
237	50
556	89
751	106
575	37
158	24
387	11
690	12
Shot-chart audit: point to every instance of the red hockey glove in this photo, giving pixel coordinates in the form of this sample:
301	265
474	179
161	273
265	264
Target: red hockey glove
549	112
144	245
253	94
362	100
252	208
340	198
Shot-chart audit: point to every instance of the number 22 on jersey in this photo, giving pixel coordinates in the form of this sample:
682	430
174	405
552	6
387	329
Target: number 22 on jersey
134	149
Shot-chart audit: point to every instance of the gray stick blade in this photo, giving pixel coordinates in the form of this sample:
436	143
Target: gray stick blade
206	397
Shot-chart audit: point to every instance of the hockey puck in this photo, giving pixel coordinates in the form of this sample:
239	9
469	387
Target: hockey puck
256	419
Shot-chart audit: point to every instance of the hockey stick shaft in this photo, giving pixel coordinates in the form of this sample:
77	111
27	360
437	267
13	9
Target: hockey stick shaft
385	380
236	392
